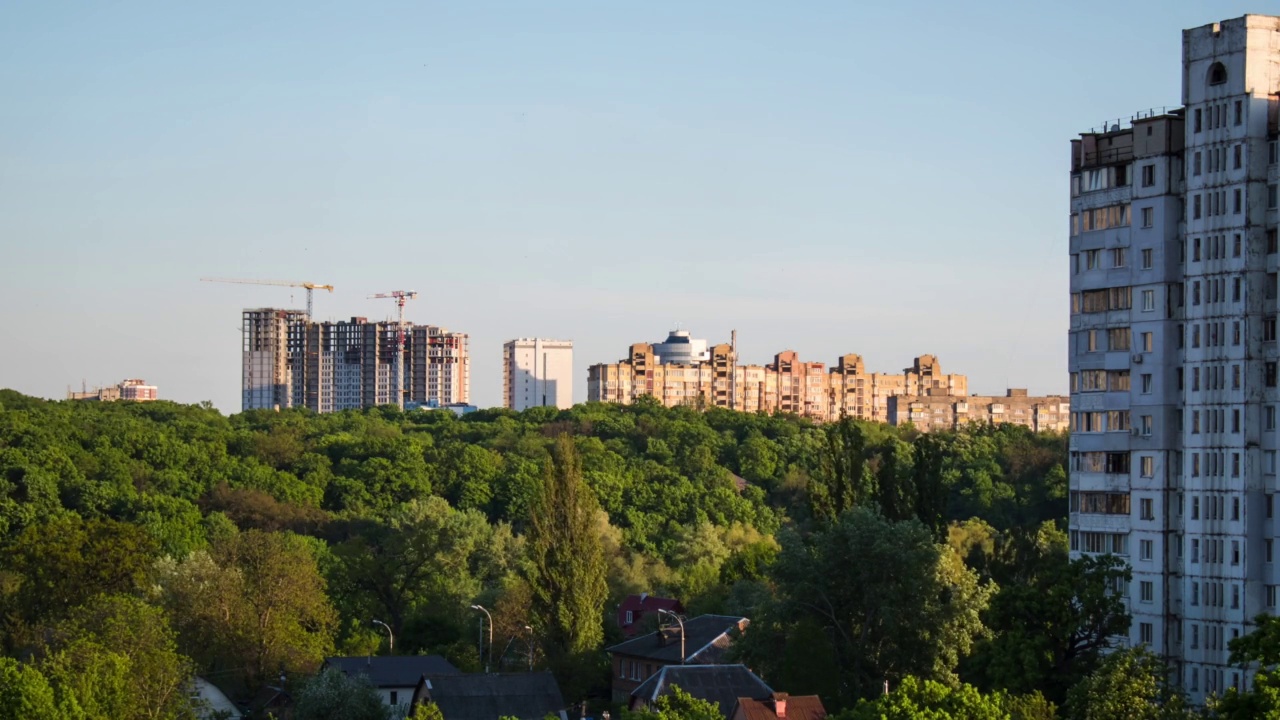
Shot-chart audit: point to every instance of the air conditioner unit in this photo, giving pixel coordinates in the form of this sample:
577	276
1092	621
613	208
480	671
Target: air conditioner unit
1137	359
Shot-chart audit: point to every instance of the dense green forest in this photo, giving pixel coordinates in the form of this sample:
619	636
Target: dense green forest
145	542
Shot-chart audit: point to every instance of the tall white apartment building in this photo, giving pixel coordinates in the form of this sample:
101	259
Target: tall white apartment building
1173	351
537	373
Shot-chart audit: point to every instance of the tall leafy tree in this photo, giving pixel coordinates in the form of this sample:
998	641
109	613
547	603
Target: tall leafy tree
905	606
1053	618
1128	685
25	694
255	607
1262	649
567	573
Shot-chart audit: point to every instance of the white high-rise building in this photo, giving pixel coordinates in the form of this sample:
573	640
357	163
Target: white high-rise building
1173	353
537	373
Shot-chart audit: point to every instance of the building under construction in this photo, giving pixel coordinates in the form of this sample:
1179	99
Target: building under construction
290	361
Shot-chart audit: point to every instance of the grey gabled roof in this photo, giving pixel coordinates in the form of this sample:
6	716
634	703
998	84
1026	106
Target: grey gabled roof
477	696
392	670
720	684
706	639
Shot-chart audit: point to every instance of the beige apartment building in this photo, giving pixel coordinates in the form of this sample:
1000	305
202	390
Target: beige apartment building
811	389
948	412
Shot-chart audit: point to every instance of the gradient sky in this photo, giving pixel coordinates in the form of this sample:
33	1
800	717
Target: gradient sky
827	177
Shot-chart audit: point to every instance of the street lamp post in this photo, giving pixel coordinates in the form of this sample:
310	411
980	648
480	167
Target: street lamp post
486	612
679	620
530	629
391	639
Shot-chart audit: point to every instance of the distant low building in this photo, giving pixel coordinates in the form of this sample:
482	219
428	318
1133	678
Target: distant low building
719	684
490	696
703	640
395	676
780	706
133	389
947	412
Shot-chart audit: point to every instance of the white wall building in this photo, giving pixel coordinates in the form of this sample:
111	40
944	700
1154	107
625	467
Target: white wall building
537	373
1173	352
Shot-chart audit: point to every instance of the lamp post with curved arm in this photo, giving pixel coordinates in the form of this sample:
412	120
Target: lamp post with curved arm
391	639
486	613
679	620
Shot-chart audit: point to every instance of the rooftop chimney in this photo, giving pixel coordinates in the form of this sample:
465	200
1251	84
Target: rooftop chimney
780	705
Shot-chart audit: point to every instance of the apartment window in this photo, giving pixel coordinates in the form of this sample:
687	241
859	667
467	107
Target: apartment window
1269	373
1235	377
1235	421
1239	107
1146	383
1269	417
1196	208
1119	257
1195	286
1118	339
1235	597
1271	596
1195	515
1271	198
1235	332
1195	637
1146	424
1148	300
1148	342
1091	259
1146	259
1092	340
1145	633
1267	548
1146	591
1237	157
1235	289
1196	118
1267	505
1235	552
1195	164
1145	549
1148	217
1235	246
1146	505
1149	175
1236	204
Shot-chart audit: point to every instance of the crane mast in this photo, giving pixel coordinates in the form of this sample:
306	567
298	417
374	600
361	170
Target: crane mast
400	297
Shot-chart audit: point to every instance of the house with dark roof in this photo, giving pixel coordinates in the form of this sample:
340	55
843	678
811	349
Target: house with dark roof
395	676
489	696
780	706
703	640
635	608
719	684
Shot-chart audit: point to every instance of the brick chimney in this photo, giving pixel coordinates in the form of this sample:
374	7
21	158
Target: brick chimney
780	705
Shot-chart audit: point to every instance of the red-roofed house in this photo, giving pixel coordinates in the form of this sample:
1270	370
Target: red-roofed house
636	607
780	707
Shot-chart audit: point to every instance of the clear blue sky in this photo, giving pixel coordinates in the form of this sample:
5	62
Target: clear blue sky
827	177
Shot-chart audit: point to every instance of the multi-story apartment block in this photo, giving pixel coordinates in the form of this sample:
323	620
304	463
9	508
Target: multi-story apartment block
270	337
1173	351
948	412
332	366
537	373
791	385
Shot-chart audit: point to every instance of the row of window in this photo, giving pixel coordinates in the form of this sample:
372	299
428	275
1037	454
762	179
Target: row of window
1100	421
1117	340
1103	218
1099	542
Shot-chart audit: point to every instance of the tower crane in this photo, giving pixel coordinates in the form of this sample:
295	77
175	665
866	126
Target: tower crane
401	297
283	283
